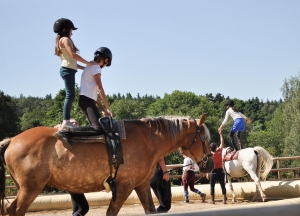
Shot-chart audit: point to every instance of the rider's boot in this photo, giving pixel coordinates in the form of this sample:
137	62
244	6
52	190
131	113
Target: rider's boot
233	143
212	201
240	143
65	134
224	199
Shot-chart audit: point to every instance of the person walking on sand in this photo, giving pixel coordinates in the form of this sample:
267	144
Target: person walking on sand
188	179
161	186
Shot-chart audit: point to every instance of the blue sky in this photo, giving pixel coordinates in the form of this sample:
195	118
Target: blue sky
241	49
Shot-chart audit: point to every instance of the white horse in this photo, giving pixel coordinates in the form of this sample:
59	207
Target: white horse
255	161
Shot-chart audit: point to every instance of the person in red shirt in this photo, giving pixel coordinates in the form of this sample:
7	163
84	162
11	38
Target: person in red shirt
218	173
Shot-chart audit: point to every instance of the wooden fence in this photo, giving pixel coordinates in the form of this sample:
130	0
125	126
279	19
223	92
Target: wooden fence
278	169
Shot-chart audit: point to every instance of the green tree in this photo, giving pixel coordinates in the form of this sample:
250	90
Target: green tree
54	115
158	108
9	121
180	103
128	109
291	115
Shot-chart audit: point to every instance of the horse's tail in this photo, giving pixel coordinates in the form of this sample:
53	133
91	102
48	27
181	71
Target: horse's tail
3	145
265	162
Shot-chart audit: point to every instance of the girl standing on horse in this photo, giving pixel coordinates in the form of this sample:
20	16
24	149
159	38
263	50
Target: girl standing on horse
90	87
238	125
67	51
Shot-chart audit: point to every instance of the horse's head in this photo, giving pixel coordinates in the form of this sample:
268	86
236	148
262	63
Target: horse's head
198	148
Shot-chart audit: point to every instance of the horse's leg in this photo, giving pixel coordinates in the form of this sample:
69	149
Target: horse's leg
258	185
262	194
28	189
122	193
231	188
144	193
256	193
24	198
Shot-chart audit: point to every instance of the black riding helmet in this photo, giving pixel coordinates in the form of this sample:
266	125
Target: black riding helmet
62	24
230	103
105	51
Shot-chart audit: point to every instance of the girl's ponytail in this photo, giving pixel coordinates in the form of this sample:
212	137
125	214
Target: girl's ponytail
234	109
57	49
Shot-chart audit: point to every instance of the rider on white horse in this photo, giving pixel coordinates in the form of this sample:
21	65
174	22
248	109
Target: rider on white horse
238	125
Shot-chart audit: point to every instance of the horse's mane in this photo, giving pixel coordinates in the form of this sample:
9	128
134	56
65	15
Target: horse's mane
173	124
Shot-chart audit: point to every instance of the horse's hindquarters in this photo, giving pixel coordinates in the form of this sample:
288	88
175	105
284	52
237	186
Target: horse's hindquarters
235	168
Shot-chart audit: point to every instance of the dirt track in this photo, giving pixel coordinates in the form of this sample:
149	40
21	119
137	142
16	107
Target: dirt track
138	209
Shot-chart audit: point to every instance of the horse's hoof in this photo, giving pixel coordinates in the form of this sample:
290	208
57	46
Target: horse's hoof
265	200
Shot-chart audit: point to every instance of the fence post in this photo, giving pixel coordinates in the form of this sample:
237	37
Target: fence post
278	167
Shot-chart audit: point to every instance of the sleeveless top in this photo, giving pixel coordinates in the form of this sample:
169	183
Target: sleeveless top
217	157
66	59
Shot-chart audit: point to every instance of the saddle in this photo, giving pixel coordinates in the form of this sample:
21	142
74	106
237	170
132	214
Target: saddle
231	155
113	132
118	127
112	140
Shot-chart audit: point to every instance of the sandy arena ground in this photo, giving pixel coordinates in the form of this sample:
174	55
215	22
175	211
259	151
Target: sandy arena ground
137	209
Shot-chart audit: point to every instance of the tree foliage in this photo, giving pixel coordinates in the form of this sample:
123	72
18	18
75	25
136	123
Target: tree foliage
274	122
291	115
9	121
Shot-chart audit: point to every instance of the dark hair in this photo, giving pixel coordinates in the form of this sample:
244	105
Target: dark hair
234	109
61	34
213	147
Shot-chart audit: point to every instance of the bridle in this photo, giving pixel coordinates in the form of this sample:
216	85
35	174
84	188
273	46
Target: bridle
206	156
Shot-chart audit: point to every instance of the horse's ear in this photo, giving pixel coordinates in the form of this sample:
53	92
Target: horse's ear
202	119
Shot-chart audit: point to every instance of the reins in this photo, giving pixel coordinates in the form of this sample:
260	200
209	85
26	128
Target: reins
206	155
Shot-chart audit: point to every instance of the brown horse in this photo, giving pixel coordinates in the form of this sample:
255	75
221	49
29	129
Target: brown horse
35	159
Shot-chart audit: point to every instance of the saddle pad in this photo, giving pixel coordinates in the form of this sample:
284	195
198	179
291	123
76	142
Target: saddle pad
101	138
231	156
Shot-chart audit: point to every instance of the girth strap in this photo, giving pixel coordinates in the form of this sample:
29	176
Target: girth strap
114	151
